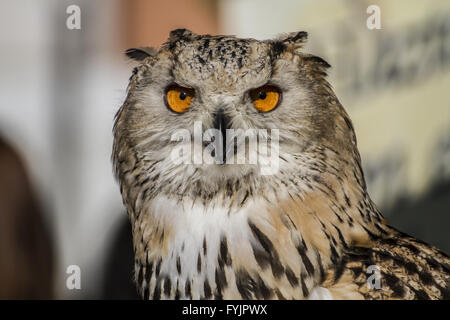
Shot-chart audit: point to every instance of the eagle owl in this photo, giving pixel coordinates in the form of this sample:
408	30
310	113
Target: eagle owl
228	230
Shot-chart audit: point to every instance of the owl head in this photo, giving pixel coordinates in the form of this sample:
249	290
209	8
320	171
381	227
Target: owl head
207	114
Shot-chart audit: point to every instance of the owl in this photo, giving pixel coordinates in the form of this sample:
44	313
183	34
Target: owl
241	176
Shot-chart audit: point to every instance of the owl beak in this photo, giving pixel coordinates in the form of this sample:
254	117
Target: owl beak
221	123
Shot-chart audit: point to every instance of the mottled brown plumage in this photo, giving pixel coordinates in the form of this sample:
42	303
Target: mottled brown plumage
226	231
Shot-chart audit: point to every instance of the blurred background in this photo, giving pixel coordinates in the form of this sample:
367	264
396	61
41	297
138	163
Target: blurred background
60	88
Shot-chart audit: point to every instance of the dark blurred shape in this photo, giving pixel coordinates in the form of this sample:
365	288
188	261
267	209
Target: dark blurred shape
118	280
26	252
426	218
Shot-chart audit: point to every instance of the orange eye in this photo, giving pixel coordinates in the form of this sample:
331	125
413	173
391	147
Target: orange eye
178	98
266	98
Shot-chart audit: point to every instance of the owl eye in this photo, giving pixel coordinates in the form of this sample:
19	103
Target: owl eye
179	99
266	98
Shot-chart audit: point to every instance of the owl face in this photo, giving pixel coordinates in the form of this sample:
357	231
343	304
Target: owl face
202	108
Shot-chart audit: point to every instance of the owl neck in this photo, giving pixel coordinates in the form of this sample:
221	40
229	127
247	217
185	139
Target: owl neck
188	249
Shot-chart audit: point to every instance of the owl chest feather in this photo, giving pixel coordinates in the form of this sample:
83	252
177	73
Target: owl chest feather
188	250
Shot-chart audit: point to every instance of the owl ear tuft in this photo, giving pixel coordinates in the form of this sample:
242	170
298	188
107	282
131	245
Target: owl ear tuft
315	66
296	37
318	61
179	34
140	53
294	40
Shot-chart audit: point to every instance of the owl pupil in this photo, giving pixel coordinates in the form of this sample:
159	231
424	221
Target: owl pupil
262	95
183	95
